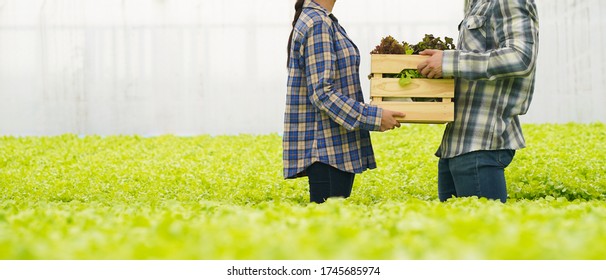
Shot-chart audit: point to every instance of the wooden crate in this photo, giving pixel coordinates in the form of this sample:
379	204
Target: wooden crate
387	93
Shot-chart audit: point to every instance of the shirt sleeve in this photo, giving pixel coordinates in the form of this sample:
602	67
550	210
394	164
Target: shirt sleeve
516	31
320	60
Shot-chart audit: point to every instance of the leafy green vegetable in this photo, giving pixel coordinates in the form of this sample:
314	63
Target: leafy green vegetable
169	197
404	80
406	76
389	45
434	43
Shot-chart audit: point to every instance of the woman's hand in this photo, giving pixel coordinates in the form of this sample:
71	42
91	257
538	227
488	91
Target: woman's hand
388	120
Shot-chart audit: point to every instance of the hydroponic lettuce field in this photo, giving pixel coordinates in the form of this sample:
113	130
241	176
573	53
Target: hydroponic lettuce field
130	197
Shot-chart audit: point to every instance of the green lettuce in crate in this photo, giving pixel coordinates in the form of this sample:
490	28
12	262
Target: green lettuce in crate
389	45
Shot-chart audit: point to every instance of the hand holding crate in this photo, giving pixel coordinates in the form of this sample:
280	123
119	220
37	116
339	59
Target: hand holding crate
391	86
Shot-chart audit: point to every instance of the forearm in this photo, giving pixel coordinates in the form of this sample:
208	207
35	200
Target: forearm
501	63
344	110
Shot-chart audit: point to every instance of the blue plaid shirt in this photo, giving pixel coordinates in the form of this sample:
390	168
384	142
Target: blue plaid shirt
326	119
494	70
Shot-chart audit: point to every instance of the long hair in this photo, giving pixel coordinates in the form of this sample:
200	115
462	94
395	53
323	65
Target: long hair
298	10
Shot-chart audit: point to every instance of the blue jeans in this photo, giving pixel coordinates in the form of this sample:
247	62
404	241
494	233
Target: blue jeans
326	181
480	173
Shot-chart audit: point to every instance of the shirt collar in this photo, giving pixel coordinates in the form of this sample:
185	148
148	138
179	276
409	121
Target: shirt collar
313	5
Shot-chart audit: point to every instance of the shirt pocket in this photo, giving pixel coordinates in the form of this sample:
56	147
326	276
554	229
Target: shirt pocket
473	29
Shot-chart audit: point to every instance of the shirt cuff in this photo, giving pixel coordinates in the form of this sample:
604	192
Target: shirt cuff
371	119
449	63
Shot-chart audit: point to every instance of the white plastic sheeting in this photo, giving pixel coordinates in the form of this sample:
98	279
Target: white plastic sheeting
571	73
191	67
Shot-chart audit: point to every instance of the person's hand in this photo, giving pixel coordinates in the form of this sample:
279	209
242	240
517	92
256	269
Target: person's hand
388	120
432	67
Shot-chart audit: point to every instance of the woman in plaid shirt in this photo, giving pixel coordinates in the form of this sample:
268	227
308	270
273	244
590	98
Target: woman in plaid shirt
326	122
494	69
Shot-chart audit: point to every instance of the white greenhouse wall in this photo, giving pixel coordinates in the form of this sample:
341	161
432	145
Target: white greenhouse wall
191	67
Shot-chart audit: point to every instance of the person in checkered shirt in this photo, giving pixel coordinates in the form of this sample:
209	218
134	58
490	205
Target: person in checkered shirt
326	122
494	70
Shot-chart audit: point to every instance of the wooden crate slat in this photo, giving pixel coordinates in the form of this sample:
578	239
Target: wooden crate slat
421	112
394	63
389	87
388	94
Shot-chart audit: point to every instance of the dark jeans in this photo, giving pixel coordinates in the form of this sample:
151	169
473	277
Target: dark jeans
326	181
480	174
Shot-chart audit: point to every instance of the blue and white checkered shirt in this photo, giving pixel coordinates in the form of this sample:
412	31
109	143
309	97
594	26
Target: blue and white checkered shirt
326	119
494	70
